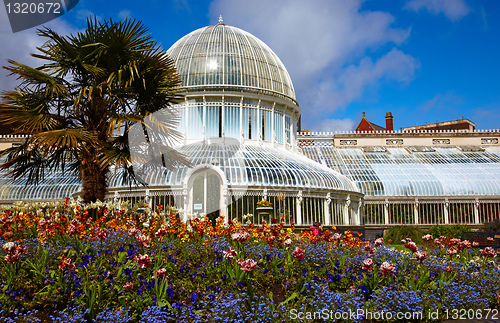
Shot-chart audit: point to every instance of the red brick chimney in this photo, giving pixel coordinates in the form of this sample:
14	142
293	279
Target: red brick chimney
388	122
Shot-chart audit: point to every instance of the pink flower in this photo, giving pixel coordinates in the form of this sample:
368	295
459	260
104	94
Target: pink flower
337	236
132	232
128	286
465	244
451	251
6	221
271	239
161	272
73	227
66	263
488	252
475	244
427	237
240	236
298	253
14	252
367	264
490	239
230	254
454	241
102	234
247	265
288	243
437	242
421	255
412	246
448	268
387	268
12	258
143	260
143	240
315	230
379	242
161	232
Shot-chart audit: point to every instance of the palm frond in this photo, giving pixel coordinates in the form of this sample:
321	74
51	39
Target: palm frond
70	139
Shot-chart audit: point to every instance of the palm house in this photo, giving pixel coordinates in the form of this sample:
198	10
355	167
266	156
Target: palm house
239	125
238	122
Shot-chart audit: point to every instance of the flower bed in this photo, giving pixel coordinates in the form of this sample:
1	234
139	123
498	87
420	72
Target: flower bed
60	265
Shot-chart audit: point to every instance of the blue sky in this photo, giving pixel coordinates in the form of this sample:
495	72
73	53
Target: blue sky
423	60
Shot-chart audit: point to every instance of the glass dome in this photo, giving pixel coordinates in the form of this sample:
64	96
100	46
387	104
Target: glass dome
227	56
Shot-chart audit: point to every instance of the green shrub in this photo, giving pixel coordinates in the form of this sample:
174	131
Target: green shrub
396	234
450	231
493	226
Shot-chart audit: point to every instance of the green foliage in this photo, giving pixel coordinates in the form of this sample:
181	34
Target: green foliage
397	233
449	231
493	226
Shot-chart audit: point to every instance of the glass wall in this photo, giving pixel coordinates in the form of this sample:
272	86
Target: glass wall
403	172
217	115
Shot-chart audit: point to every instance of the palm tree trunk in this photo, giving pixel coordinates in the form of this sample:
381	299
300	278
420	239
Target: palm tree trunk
94	181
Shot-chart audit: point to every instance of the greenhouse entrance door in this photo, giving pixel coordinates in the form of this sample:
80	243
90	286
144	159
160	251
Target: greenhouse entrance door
206	193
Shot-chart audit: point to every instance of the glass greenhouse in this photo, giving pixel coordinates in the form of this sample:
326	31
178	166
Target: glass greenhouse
239	124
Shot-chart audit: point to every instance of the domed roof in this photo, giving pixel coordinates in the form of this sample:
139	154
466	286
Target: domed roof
250	165
227	56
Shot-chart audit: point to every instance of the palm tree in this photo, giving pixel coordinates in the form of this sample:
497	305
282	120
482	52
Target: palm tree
80	105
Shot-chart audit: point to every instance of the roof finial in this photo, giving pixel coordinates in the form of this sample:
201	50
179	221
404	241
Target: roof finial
220	19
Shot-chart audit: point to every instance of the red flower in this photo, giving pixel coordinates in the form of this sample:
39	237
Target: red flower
161	232
421	255
240	236
102	234
412	246
230	254
247	265
367	264
66	263
161	272
128	286
143	240
298	253
143	260
387	268
379	242
14	251
488	252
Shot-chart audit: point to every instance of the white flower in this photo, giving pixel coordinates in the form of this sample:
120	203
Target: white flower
8	246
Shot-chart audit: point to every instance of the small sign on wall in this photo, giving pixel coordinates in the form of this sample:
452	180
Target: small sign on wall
198	207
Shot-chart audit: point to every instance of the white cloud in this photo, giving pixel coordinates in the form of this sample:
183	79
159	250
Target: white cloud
394	65
324	46
452	9
18	46
124	14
